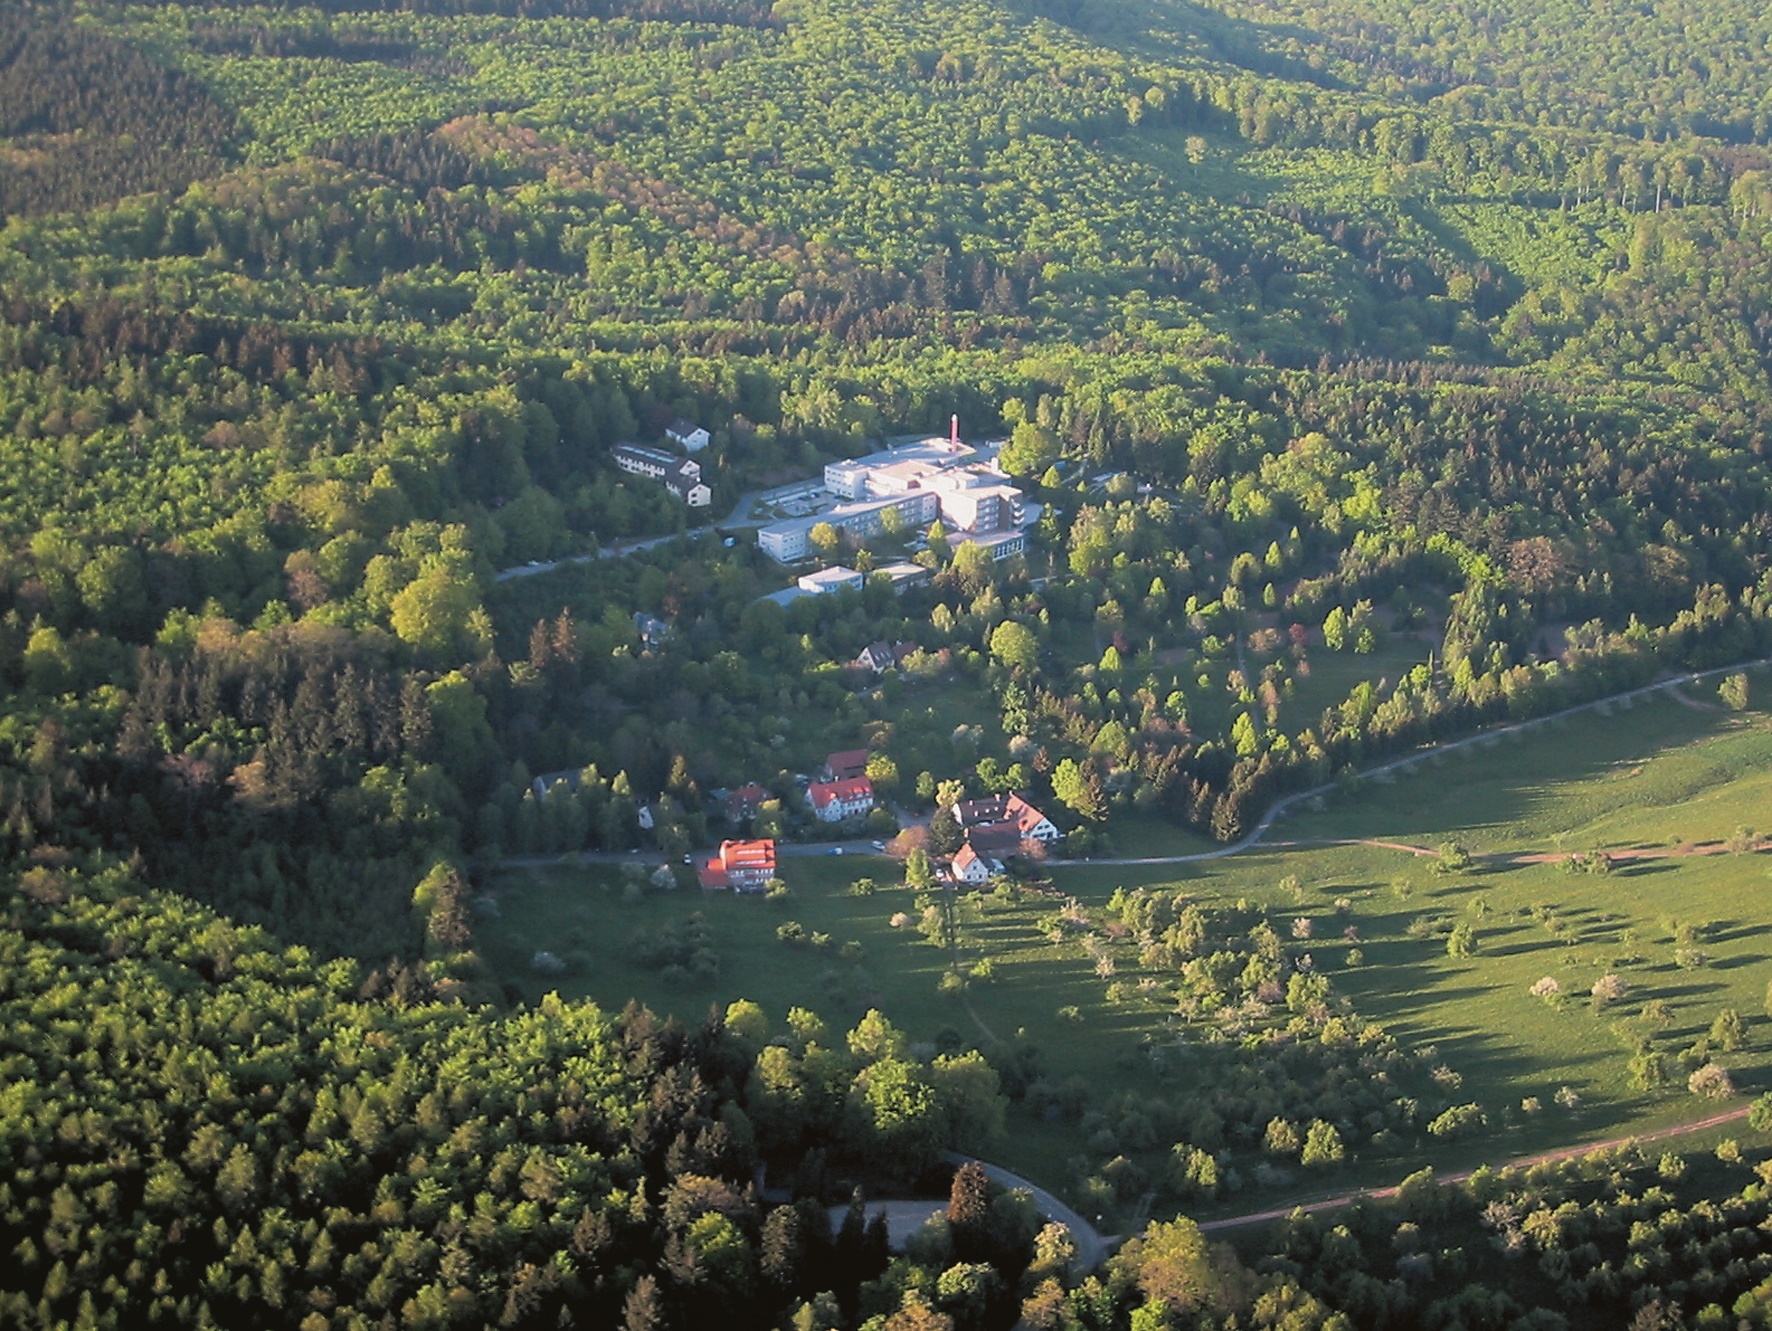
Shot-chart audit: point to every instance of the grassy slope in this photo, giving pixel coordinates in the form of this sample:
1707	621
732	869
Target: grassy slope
1659	774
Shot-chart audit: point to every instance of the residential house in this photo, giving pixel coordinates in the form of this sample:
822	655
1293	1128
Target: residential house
833	801
877	657
571	778
1008	810
743	866
687	434
653	631
991	809
846	765
973	868
744	802
691	490
995	841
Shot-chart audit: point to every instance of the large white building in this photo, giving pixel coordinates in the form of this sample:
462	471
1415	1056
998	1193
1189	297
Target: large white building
681	476
936	478
791	541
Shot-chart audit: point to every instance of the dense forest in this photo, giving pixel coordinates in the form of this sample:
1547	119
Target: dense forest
1314	332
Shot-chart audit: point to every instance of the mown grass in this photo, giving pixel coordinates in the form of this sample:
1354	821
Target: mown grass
1660	775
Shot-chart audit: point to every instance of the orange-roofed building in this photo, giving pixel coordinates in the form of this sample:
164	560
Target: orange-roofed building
847	765
743	866
833	801
971	867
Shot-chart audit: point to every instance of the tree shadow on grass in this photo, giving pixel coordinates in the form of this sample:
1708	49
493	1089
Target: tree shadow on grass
1736	963
1727	931
1643	868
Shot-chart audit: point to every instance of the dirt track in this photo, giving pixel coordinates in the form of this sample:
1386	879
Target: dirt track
1544	1157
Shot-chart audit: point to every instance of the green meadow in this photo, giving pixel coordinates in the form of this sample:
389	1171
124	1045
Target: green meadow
1680	927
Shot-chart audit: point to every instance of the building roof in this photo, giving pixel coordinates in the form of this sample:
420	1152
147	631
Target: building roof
876	656
903	573
744	860
847	764
995	839
823	794
966	857
680	427
1010	809
991	809
745	801
834	579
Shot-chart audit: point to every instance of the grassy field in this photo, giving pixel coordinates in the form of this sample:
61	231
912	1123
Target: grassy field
1664	779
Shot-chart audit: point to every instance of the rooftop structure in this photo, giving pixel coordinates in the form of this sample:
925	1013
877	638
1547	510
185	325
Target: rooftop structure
904	576
837	578
898	467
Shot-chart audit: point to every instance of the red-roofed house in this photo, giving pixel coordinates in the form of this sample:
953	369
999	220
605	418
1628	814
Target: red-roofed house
995	841
743	866
971	867
833	801
1006	809
847	765
744	802
1030	821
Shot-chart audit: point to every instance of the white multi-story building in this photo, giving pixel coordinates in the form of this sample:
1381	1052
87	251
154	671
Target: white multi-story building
791	541
681	476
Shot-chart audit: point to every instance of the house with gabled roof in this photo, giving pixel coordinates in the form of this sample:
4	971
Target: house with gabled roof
876	657
687	434
833	801
973	868
744	803
1009	809
846	765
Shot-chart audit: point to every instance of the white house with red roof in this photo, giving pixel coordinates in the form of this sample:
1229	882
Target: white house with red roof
833	801
1011	810
972	868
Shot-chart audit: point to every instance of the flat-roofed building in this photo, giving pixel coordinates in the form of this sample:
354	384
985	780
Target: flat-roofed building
827	580
790	541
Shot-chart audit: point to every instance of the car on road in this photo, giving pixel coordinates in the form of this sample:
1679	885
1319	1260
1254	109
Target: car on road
879	845
836	850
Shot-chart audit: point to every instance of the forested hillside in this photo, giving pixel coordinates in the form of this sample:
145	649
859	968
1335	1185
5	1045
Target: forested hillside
1383	370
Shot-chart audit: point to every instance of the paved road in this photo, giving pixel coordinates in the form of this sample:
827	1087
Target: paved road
651	859
1544	1157
739	519
1092	1247
904	1218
